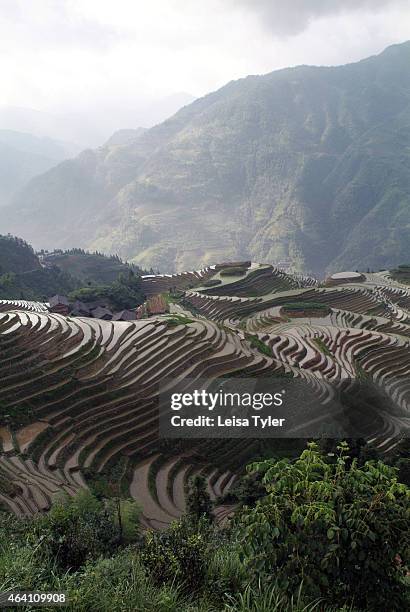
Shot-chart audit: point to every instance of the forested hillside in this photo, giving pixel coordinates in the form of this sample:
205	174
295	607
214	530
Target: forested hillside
26	275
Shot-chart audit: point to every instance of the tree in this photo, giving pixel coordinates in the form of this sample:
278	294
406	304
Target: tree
198	500
76	529
340	527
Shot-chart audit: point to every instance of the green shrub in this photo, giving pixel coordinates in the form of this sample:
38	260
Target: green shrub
246	490
341	527
178	319
119	583
178	555
225	573
258	344
198	501
76	529
125	292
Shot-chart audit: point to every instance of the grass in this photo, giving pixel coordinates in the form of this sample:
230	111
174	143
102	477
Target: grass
259	345
270	599
177	319
322	347
361	374
172	297
121	583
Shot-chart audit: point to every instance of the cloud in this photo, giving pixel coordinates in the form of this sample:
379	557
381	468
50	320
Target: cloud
54	23
106	57
292	17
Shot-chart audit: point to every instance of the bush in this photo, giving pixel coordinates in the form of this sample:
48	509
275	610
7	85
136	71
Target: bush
120	583
76	529
258	344
177	555
225	573
125	292
262	598
198	501
341	527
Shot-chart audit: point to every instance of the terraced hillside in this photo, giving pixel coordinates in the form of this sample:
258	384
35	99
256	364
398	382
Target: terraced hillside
79	396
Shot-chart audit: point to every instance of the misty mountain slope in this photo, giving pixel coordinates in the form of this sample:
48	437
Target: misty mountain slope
90	127
54	150
23	156
305	165
125	136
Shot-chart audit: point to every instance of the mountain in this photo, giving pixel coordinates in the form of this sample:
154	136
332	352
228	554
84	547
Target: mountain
124	136
26	275
89	268
91	127
23	156
16	256
307	166
23	277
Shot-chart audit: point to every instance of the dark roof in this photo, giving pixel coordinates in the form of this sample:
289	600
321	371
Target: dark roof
96	304
125	315
101	313
80	307
58	299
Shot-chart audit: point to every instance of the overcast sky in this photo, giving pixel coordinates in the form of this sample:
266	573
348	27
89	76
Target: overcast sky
71	55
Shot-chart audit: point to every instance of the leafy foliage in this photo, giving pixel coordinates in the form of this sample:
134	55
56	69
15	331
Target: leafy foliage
198	501
293	551
340	527
177	554
123	293
16	255
94	268
76	529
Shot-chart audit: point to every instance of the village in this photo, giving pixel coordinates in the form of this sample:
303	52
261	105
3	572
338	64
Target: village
99	309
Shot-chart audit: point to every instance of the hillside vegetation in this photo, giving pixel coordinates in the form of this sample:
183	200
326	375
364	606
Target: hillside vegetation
308	166
25	275
94	268
16	255
92	548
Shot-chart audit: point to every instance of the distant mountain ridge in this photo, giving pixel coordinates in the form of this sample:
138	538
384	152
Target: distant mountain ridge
89	127
23	156
307	166
121	137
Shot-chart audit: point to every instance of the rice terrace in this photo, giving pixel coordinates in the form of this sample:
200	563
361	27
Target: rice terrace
79	395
